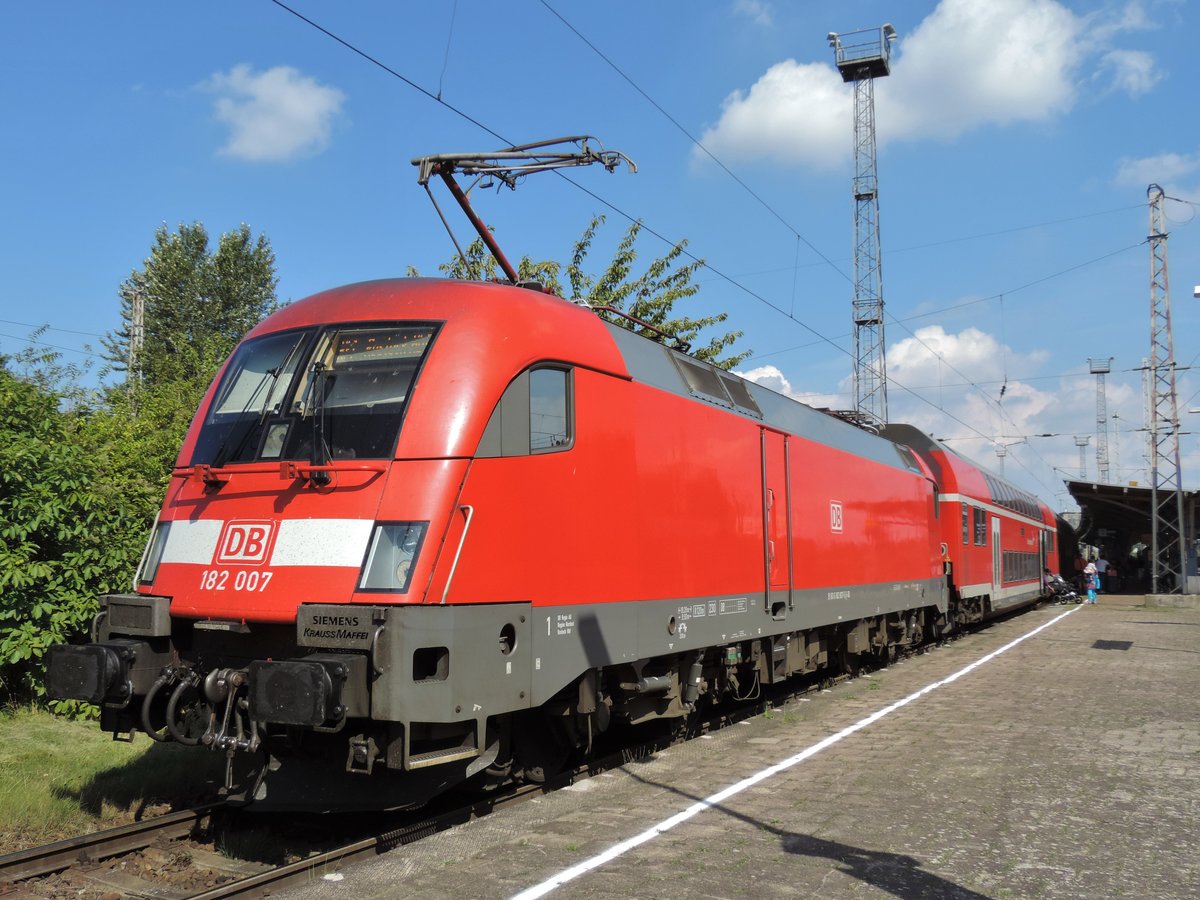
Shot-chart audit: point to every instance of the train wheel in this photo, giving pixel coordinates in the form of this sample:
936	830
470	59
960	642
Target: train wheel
500	771
539	751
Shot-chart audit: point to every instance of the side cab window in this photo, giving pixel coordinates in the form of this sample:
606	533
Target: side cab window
535	415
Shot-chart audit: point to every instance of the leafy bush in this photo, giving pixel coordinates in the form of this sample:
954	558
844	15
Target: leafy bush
82	474
69	533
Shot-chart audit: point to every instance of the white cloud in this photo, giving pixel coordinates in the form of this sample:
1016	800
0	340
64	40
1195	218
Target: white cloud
960	378
978	419
795	112
933	355
757	11
1132	71
1165	168
970	64
967	65
274	115
1113	23
1036	420
772	378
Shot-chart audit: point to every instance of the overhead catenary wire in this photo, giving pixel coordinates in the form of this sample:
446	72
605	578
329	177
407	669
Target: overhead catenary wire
739	181
52	346
774	212
446	55
892	251
595	49
649	229
728	279
51	328
375	62
721	275
979	300
823	338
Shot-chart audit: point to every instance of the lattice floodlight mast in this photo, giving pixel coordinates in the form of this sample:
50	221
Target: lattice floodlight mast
1100	368
1081	441
1166	477
861	57
509	166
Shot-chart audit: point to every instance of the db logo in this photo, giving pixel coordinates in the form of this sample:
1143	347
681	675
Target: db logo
835	516
245	543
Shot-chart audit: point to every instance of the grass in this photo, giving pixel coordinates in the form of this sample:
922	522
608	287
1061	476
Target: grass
60	778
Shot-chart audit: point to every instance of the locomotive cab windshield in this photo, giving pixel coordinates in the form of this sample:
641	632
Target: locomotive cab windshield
332	393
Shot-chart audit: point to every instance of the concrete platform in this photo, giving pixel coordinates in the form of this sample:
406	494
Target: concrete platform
1065	765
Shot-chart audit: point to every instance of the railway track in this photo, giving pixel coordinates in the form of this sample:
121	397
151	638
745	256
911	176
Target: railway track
94	848
96	865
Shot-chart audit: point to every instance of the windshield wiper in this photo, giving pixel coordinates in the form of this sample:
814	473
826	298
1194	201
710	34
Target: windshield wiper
223	453
322	382
269	380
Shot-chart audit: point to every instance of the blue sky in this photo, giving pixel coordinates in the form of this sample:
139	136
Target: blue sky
1016	142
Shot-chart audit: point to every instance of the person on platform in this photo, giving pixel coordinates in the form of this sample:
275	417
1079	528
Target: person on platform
1089	575
1101	573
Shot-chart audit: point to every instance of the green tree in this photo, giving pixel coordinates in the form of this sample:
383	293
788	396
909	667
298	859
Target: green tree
650	296
65	524
196	304
83	473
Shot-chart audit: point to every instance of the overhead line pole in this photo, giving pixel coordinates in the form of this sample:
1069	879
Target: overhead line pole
1168	550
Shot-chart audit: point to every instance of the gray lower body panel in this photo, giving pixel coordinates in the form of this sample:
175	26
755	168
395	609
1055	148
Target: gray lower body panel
467	662
567	640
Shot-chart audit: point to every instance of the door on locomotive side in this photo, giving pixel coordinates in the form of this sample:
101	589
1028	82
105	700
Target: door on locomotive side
777	523
997	559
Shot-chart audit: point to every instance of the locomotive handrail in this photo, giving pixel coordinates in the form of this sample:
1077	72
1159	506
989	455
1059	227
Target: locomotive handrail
298	470
470	511
680	343
287	470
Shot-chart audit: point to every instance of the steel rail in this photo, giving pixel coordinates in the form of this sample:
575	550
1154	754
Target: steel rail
50	858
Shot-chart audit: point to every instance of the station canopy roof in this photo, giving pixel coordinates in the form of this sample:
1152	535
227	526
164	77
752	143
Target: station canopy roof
1118	513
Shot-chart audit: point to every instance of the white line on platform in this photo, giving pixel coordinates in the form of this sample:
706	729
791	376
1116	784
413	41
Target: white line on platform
556	881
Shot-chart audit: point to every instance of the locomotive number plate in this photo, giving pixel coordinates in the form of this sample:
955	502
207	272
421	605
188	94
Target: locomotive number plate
242	580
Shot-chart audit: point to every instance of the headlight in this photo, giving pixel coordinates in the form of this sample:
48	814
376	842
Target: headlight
393	553
154	553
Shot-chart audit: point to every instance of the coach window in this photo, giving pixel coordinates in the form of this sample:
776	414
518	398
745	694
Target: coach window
549	410
966	517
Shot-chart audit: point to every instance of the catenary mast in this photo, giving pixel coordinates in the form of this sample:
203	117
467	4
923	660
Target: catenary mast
1167	549
861	57
1100	368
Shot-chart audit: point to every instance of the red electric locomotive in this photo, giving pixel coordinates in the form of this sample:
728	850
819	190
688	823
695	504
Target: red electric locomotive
422	531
